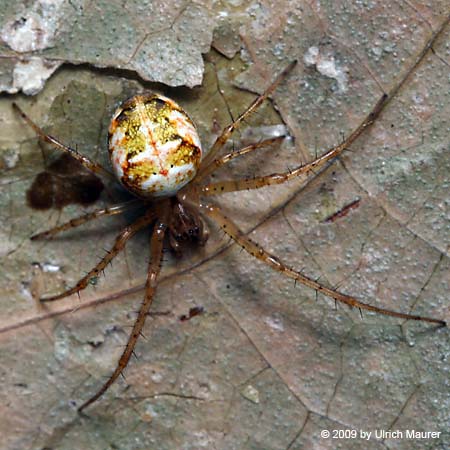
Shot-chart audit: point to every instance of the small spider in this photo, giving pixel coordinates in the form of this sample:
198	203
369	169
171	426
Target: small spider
156	154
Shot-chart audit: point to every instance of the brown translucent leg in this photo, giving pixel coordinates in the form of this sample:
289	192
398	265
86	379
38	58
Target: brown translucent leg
219	162
73	223
84	160
258	252
304	169
121	240
156	250
227	131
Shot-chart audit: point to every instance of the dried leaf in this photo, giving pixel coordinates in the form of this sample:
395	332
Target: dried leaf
312	367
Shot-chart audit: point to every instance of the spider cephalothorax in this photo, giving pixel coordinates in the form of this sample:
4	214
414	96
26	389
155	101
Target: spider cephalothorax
156	154
185	226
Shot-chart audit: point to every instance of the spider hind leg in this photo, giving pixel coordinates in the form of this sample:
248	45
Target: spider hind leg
258	252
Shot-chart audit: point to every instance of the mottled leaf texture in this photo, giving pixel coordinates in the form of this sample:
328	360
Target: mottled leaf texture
265	365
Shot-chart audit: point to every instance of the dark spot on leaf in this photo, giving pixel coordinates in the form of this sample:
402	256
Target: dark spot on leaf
64	182
195	311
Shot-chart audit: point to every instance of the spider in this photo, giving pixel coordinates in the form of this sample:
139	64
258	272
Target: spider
156	154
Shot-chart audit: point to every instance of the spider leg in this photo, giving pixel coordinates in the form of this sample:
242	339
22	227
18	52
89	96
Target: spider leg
258	252
219	162
256	183
121	240
109	211
156	250
84	160
303	169
228	130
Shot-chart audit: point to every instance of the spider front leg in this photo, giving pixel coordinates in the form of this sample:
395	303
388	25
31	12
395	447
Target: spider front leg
73	223
278	178
258	252
219	162
121	240
303	169
205	168
84	160
156	252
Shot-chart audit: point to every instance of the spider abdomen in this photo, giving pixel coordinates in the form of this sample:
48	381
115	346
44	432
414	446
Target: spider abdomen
153	146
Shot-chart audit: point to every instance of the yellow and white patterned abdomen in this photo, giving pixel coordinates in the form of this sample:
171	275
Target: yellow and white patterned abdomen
153	146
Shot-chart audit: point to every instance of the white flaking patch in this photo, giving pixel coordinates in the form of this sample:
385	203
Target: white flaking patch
10	157
49	267
275	323
34	28
30	75
264	132
251	393
326	65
